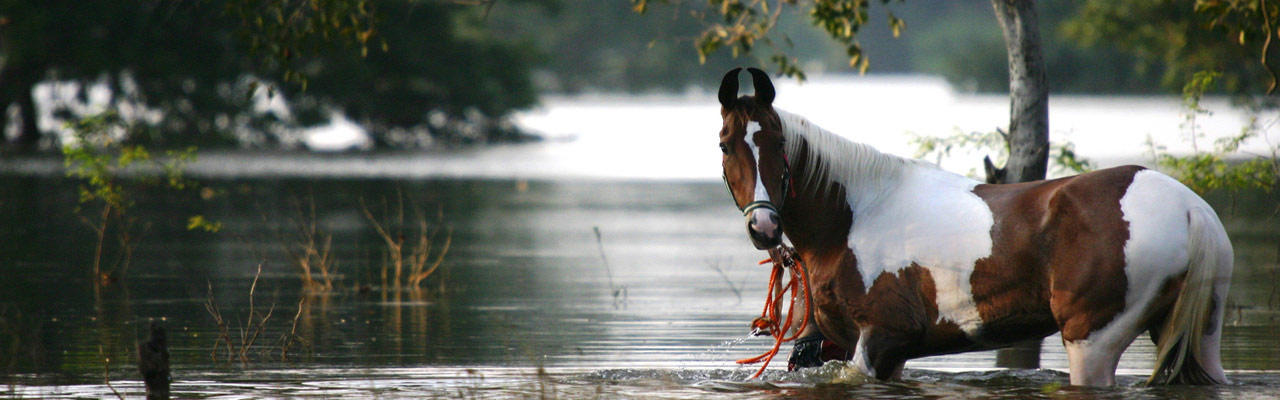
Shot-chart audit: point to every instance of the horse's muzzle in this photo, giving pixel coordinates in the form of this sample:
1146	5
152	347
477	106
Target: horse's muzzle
764	228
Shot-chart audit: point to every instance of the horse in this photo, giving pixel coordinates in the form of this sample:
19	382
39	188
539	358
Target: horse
906	260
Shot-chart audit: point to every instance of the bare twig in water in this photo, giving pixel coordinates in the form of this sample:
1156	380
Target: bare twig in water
310	248
288	339
737	289
417	253
106	375
224	337
250	333
619	292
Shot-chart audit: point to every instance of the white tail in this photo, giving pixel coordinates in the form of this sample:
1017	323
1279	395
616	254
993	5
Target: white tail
1182	353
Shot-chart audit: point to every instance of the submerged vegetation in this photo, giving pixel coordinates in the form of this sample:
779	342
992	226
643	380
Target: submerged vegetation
415	250
409	243
110	170
310	247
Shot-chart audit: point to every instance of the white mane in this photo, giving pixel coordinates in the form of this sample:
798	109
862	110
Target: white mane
836	160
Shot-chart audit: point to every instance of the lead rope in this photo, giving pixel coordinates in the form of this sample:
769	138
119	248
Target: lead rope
783	257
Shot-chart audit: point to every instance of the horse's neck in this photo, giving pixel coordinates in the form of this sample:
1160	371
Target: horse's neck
828	199
838	182
828	162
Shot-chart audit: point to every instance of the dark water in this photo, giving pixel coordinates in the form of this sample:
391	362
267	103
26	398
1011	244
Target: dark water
523	305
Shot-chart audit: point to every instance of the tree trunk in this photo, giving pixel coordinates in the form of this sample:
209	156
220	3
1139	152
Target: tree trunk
1028	94
1028	136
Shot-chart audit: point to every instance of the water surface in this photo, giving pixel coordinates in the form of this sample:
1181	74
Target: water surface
524	305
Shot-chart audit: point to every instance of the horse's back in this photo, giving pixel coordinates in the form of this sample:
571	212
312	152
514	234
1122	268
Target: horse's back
1088	247
1112	244
1058	239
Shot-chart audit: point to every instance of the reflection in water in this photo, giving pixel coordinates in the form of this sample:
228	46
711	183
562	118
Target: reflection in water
522	289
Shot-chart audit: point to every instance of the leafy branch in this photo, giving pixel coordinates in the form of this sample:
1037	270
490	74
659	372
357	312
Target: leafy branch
1225	166
286	31
1063	157
106	166
740	24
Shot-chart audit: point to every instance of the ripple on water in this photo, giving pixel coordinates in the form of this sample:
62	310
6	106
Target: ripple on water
834	380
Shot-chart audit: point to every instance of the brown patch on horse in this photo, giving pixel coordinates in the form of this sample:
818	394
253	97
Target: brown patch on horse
833	308
739	165
1080	218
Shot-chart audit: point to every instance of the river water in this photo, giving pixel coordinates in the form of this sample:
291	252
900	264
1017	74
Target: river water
529	301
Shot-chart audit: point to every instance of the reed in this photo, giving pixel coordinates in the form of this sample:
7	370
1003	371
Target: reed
410	249
310	247
619	292
249	332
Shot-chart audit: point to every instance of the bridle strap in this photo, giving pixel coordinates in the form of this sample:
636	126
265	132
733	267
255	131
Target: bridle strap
786	191
758	204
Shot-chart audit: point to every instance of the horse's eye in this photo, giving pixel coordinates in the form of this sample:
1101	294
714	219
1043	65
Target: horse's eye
724	148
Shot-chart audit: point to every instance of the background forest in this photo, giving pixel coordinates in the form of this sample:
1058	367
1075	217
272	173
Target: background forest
423	73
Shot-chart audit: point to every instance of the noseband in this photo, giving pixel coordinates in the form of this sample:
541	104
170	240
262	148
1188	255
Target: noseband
786	191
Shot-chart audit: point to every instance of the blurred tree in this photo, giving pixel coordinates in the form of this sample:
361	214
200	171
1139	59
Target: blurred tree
196	68
598	45
955	40
442	72
1176	39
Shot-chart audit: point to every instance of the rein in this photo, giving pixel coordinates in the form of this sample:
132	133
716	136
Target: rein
783	258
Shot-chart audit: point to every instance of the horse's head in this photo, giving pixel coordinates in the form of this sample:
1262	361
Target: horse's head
755	168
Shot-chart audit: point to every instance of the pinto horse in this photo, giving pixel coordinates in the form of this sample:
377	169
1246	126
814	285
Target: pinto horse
906	260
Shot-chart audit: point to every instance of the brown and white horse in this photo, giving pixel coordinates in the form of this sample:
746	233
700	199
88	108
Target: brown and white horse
906	260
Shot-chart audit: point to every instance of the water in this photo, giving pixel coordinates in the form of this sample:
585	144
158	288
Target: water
527	308
525	304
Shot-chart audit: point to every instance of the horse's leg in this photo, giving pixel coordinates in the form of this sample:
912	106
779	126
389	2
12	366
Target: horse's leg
1093	344
807	351
877	354
812	349
896	375
1210	350
1092	364
1093	347
1210	357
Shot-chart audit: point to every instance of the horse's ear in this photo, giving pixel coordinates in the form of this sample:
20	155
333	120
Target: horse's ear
764	87
729	87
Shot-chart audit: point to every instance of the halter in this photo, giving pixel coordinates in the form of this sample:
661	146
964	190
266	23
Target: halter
786	191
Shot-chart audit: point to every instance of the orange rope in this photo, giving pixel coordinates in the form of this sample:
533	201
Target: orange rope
768	320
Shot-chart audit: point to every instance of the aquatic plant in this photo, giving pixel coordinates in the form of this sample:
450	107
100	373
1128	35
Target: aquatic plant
98	155
310	247
249	332
418	252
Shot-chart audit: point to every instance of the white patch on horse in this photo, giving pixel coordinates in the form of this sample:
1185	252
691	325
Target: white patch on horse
934	220
861	360
1155	206
904	211
753	127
